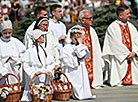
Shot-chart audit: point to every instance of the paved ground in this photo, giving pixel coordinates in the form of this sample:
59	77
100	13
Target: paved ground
112	94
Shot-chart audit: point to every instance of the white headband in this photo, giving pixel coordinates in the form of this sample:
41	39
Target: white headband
76	31
44	19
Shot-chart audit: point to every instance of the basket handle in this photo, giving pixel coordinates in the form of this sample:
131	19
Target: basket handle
38	75
59	72
6	76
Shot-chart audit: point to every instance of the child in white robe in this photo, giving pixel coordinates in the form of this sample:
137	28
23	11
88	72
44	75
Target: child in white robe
36	60
11	50
74	67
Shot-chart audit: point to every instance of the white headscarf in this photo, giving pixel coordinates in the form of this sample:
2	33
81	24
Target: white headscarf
37	33
72	30
6	25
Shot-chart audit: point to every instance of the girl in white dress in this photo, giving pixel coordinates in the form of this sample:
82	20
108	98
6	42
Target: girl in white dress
74	67
11	51
36	60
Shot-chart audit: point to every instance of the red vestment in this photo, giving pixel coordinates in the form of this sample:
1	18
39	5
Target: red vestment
126	40
86	40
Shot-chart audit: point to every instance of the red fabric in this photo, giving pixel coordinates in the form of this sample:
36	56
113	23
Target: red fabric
86	40
126	40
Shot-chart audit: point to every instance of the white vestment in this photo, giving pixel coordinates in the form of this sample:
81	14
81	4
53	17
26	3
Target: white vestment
115	54
12	49
51	43
31	65
77	73
58	29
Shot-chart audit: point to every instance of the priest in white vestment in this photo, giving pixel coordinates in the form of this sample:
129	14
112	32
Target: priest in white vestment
74	67
36	59
120	50
11	50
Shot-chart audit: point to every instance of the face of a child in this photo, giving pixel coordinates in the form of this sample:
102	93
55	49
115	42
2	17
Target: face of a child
41	39
74	37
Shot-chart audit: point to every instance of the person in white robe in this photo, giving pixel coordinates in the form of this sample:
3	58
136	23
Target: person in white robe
74	67
49	40
119	55
39	12
11	51
57	27
36	59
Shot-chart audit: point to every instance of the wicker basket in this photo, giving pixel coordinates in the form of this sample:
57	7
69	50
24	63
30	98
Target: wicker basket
64	94
36	97
14	95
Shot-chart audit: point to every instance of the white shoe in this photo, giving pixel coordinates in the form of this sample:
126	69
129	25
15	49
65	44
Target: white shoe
120	85
93	96
98	87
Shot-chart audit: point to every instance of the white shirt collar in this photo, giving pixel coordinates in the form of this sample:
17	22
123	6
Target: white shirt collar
120	22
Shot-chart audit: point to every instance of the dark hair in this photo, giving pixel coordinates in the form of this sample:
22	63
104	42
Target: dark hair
55	6
39	9
37	49
37	21
121	8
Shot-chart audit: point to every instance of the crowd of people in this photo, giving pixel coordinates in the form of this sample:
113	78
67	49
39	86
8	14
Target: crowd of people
47	48
15	10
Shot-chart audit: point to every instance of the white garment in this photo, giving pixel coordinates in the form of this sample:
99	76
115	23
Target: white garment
115	53
6	2
51	42
14	49
97	60
77	74
31	65
58	29
28	35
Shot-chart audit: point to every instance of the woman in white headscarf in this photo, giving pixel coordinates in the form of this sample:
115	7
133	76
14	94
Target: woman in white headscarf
36	59
74	53
11	50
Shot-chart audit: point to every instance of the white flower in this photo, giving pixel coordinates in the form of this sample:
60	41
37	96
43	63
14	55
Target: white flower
10	89
3	95
49	91
70	86
60	87
35	92
55	87
65	87
42	96
6	93
0	90
15	88
6	88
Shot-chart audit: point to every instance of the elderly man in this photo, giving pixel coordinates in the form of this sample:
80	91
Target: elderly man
89	38
120	50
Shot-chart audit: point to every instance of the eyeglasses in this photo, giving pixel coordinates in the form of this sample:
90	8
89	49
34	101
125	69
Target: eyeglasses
43	25
90	18
6	32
